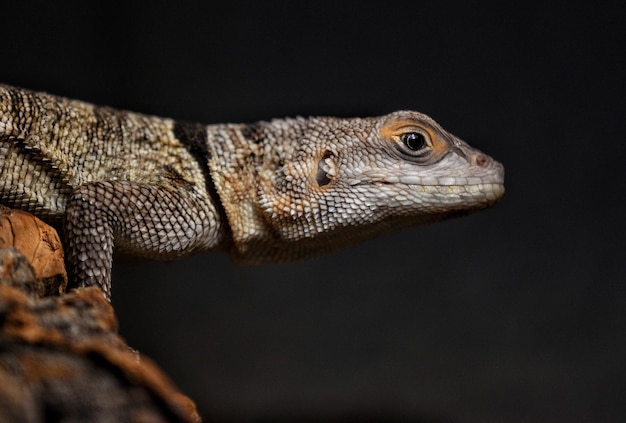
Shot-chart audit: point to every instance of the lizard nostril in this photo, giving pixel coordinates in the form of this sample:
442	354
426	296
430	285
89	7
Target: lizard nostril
481	160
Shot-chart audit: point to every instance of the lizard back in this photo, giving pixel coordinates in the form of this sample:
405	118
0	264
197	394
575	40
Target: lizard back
49	145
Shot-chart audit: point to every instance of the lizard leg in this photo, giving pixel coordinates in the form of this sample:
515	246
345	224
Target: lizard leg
148	220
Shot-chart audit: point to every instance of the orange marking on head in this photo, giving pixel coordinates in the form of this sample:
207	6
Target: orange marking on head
395	128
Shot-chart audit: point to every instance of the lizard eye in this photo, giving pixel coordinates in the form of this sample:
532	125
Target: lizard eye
414	141
415	145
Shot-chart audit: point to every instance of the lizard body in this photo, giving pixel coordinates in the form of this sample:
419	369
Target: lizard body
270	191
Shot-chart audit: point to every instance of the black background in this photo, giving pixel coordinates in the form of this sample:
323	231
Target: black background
517	313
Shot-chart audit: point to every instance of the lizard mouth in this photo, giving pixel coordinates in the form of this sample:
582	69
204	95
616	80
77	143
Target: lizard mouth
473	180
437	182
459	181
492	192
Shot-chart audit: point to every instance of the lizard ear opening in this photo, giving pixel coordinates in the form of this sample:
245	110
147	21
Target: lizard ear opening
326	169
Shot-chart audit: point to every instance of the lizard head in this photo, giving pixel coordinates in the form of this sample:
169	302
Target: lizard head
335	181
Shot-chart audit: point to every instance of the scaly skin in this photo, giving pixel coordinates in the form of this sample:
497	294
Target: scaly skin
270	191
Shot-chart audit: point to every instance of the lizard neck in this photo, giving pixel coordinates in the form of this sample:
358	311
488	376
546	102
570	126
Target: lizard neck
272	210
240	163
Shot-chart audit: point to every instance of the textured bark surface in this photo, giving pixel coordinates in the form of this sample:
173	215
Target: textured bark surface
40	247
61	358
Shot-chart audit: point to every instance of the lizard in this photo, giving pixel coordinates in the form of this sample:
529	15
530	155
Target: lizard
270	191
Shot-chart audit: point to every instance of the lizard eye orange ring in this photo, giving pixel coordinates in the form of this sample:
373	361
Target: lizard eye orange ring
415	141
